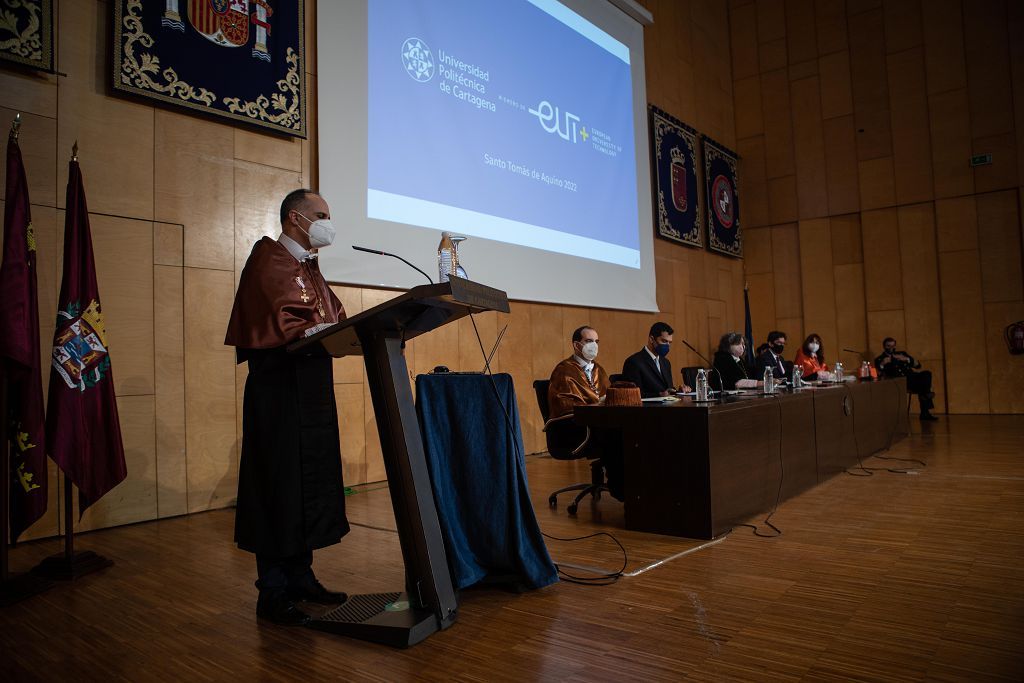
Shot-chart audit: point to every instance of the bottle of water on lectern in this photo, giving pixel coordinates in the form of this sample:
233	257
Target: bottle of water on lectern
702	385
838	369
798	375
769	381
445	257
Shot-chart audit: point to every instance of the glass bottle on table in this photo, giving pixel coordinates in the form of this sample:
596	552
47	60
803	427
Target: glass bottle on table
702	386
769	381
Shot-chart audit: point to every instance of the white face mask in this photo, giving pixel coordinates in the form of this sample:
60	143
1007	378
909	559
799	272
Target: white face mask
321	233
737	351
813	347
589	350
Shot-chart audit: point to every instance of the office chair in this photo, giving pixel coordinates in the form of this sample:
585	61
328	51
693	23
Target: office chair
566	441
690	374
616	378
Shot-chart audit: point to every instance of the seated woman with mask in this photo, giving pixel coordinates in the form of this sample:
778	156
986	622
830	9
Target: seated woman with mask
811	359
732	370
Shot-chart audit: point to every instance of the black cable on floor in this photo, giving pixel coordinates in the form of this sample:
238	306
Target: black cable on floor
778	495
600	579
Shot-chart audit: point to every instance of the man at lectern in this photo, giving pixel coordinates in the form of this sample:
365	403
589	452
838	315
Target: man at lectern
649	368
290	492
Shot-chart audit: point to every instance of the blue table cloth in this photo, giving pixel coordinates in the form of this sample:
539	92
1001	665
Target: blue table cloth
478	472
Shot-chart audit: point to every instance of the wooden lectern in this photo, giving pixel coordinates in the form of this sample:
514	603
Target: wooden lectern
429	603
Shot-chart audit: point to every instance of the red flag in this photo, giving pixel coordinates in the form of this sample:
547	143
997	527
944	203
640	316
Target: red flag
83	434
19	352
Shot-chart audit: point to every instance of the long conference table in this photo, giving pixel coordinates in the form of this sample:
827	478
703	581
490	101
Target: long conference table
695	469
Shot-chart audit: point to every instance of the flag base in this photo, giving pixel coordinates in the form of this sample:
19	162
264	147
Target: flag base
62	568
20	586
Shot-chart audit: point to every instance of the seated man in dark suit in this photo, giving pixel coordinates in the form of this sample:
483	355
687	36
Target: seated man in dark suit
893	363
772	357
649	367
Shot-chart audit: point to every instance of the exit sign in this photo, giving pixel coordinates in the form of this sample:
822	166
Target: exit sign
981	159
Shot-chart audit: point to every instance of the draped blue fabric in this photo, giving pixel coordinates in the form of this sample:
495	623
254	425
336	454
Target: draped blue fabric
478	474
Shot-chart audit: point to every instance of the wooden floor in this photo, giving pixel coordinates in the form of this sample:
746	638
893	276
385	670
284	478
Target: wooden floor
892	577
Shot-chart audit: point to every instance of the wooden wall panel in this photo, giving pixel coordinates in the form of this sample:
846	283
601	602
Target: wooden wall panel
841	170
836	88
194	173
258	193
883	286
851	313
949	122
1001	174
747	94
210	420
817	281
786	269
999	242
771	20
882	324
809	143
870	87
757	251
945	63
902	25
847	246
778	127
960	276
801	33
911	140
988	68
169	357
957	224
782	200
38	144
830	20
123	252
115	135
743	41
877	183
135	498
919	267
753	181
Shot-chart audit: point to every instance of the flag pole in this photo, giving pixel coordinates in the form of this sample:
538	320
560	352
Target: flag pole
69	565
13	587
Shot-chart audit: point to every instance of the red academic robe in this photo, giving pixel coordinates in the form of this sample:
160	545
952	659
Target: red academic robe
290	492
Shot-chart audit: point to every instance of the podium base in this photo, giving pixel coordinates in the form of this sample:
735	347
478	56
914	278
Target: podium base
385	618
20	586
60	568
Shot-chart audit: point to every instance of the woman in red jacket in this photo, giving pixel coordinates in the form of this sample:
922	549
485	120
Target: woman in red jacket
811	357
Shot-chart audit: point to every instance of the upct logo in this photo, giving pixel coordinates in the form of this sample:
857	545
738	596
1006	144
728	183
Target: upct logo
417	60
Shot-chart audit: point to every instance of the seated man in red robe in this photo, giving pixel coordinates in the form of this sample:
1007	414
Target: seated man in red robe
290	493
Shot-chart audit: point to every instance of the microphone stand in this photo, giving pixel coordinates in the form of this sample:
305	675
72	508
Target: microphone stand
384	253
711	366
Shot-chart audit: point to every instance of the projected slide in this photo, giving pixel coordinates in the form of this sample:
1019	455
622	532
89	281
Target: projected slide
474	127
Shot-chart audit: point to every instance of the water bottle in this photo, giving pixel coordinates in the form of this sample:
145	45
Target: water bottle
798	374
865	372
838	369
445	257
702	385
769	381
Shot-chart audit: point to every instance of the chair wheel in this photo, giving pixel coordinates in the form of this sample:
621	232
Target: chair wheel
553	501
571	509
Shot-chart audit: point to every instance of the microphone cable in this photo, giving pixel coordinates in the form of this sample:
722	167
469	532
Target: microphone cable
778	494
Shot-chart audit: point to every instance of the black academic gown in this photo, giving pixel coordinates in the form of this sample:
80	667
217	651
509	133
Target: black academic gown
729	369
641	371
290	492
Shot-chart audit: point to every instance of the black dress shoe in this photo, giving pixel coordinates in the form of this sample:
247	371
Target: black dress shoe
316	592
281	611
928	417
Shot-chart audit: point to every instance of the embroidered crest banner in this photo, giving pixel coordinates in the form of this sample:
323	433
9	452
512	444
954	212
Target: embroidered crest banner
26	33
676	207
240	59
722	182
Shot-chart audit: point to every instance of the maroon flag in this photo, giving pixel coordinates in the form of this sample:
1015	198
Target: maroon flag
19	352
83	434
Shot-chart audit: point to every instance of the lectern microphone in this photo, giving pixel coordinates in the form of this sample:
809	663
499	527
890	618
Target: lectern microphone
385	253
